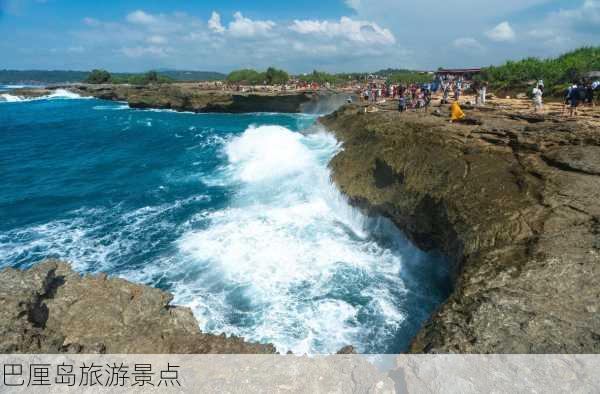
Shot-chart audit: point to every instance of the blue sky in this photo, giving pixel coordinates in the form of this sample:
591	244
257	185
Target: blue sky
334	35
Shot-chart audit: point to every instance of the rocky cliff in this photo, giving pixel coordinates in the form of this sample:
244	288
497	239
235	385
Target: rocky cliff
513	201
51	309
188	97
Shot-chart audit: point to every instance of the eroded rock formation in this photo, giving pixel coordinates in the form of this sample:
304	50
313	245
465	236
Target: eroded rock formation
50	309
514	204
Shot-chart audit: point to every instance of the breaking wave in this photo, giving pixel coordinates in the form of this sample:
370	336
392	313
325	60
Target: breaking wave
57	94
236	215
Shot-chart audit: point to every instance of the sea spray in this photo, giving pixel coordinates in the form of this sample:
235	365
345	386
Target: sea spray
56	94
234	214
289	261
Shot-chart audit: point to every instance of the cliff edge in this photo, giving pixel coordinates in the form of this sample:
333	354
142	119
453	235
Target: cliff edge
52	309
189	97
512	200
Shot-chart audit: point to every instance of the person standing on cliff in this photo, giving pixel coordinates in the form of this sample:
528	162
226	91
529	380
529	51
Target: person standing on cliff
573	99
538	104
482	93
402	103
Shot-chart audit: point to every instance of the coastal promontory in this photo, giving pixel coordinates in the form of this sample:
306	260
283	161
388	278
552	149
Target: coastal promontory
512	200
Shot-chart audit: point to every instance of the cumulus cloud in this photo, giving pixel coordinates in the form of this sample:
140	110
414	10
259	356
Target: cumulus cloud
157	40
141	17
346	28
214	23
139	51
468	44
246	27
354	4
179	40
590	10
502	32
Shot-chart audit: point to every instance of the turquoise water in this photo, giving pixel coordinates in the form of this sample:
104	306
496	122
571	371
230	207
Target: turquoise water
233	214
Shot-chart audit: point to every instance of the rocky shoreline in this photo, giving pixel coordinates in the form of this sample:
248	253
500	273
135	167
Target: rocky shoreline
188	97
49	308
512	200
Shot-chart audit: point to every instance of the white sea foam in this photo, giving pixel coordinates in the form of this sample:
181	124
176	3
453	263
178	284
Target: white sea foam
92	239
287	260
9	98
274	265
57	94
111	107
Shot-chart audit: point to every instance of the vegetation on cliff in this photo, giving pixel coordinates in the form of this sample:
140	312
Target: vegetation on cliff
103	76
272	76
405	77
63	76
557	73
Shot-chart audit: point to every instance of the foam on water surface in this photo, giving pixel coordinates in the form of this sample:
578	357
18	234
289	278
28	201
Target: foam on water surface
57	94
234	214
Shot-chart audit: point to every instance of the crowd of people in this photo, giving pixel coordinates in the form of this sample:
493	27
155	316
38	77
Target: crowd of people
451	88
580	94
409	96
575	96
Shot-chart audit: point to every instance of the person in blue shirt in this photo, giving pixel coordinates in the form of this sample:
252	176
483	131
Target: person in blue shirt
402	103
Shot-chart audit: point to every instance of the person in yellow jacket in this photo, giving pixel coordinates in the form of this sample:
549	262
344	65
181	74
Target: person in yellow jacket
455	112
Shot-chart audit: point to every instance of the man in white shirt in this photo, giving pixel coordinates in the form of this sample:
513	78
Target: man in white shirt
538	104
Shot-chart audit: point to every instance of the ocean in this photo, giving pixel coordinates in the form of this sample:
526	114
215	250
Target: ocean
233	214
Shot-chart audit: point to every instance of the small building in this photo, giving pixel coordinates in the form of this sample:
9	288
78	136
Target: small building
465	73
593	75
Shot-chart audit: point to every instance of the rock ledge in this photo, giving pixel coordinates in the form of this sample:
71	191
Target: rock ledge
52	309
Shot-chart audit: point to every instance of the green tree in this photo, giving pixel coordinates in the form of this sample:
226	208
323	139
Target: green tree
99	76
556	73
151	77
274	76
247	76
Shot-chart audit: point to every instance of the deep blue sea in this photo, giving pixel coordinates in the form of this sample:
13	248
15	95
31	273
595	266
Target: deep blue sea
233	214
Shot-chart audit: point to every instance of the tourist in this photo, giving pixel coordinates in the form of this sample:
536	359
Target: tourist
427	94
446	92
573	99
483	92
589	95
476	88
456	112
538	104
457	90
402	104
421	100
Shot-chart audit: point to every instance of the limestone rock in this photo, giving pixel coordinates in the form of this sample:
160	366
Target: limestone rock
50	309
514	204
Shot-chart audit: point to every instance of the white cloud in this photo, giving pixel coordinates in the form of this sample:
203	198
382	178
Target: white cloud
246	27
90	21
502	32
468	44
214	23
590	11
346	28
157	40
541	33
139	51
140	17
354	4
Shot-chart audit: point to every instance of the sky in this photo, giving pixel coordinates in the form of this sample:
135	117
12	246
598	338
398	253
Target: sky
299	36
